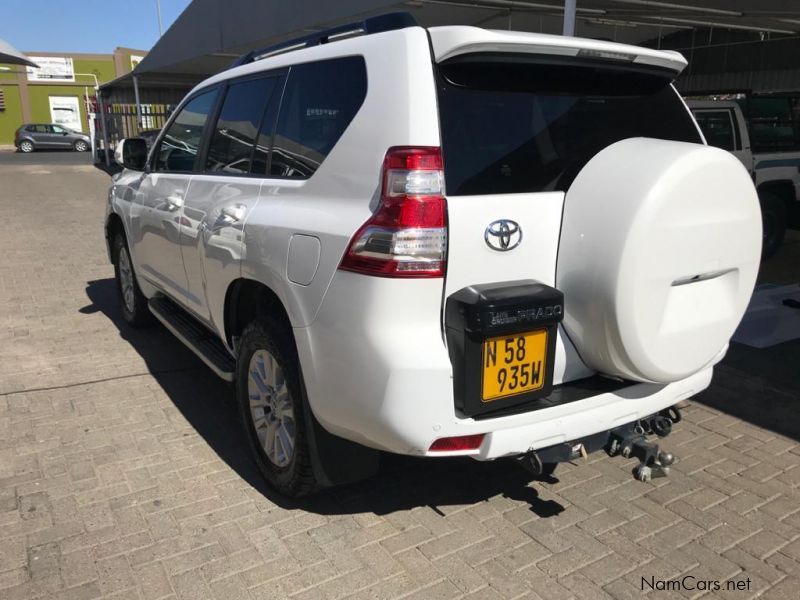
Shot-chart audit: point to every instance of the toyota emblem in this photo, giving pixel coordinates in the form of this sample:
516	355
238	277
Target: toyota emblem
503	235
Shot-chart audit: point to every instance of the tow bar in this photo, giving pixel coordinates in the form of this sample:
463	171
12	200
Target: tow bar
630	441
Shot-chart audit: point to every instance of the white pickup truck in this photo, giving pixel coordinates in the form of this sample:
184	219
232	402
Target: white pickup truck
775	173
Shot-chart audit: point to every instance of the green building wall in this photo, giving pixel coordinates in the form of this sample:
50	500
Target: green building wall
11	117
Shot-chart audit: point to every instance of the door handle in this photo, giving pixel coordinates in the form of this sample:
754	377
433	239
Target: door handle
235	212
174	202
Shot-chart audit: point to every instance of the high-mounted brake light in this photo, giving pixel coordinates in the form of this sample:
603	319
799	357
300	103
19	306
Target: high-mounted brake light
407	235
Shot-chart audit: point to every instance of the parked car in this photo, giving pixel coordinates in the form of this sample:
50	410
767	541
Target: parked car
440	242
49	136
776	172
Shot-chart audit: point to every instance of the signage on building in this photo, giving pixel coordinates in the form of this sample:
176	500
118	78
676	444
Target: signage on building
135	60
65	110
51	68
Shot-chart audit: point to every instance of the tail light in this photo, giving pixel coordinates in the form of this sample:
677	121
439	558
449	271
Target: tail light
407	235
461	442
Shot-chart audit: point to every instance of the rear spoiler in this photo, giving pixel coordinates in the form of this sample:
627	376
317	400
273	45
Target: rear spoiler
449	42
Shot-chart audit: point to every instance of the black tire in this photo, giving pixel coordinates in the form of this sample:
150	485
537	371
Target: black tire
773	214
26	146
296	478
549	468
135	312
80	146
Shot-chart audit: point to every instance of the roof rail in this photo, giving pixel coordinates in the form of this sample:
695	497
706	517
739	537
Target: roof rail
377	24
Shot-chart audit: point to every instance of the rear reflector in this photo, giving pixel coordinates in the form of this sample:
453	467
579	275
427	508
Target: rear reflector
461	442
407	234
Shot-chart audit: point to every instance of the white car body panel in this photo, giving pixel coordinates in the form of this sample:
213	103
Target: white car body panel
212	243
472	262
334	203
452	41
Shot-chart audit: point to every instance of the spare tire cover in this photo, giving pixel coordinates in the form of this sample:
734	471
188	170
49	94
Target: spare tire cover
659	252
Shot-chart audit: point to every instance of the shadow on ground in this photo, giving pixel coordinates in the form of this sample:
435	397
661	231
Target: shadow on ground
760	386
402	483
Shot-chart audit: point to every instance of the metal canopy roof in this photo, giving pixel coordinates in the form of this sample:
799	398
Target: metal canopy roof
11	56
210	34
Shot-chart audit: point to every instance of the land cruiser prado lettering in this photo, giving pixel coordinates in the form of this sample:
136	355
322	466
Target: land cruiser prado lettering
440	242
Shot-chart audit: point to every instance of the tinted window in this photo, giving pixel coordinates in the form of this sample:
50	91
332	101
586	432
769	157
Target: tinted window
263	149
40	128
231	145
717	126
178	149
318	104
772	125
512	127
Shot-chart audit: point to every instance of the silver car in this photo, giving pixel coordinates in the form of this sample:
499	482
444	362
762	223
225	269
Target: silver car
44	136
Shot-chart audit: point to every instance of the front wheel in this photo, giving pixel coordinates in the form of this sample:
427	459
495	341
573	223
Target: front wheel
272	407
134	304
81	146
26	146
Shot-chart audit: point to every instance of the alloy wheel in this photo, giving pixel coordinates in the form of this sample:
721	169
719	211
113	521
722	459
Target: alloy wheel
271	408
126	280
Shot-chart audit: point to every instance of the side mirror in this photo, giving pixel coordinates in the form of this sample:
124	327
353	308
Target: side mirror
65	133
131	153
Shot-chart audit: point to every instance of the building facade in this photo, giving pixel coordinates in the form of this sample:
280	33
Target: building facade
61	90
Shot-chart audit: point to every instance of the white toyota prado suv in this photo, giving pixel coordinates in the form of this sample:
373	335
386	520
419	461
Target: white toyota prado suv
438	242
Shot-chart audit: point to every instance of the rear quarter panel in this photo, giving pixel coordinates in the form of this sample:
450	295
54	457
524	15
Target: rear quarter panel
399	109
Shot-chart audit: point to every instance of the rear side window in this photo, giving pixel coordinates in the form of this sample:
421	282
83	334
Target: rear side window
178	149
232	142
318	104
717	126
513	125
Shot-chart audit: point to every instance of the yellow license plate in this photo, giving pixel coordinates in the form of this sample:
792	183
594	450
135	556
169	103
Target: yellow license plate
514	364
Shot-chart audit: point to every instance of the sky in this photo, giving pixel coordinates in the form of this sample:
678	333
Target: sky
96	26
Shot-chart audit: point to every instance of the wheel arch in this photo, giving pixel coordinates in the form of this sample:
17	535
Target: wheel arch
782	188
114	225
334	460
248	299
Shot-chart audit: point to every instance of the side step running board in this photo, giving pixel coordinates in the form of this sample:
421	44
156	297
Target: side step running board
194	336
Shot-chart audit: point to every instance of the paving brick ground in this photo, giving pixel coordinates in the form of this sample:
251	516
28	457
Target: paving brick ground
122	472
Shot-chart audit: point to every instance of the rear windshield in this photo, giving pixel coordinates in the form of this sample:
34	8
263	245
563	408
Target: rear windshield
511	124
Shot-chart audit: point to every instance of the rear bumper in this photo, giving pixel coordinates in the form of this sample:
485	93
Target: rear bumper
583	418
377	372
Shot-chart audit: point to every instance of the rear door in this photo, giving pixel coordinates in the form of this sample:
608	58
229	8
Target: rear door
221	198
516	130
